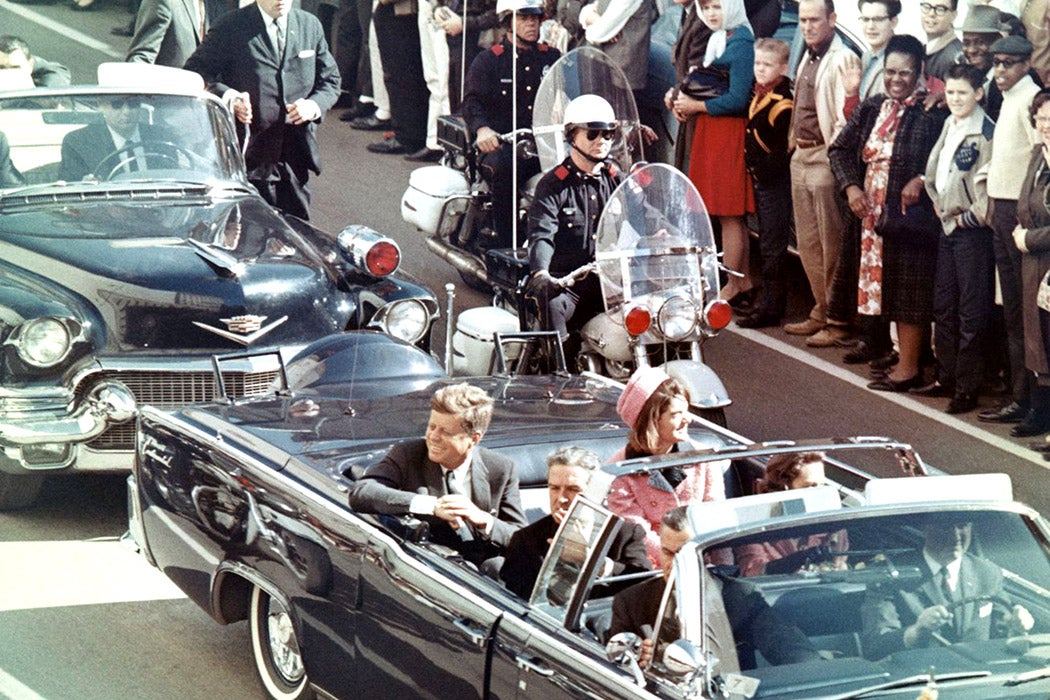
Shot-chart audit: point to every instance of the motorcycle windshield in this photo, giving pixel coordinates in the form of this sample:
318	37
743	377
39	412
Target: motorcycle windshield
584	71
655	241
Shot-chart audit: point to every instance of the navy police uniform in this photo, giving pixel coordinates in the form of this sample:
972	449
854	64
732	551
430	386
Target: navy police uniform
488	102
563	226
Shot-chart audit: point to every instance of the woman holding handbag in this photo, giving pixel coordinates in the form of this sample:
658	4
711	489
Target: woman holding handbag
715	94
878	160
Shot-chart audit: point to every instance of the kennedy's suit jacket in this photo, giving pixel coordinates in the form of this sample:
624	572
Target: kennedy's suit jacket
237	55
888	611
84	149
9	175
528	548
390	486
167	32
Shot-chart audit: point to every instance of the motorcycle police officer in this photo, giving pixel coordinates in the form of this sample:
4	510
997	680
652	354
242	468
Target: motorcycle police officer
487	102
563	218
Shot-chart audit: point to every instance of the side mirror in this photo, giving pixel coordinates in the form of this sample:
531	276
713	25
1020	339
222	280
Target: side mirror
623	646
682	658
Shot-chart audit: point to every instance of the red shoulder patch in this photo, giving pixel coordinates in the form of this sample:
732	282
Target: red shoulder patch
542	48
561	172
612	169
498	49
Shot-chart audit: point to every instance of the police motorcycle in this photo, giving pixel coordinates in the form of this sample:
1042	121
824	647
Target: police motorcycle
658	269
451	204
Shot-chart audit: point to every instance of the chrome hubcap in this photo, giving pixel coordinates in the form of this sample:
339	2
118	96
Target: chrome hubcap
284	647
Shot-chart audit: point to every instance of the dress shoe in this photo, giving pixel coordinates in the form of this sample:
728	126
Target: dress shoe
1033	424
1041	446
370	124
124	29
389	145
425	155
1012	412
759	319
887	384
743	302
829	337
934	390
884	362
961	403
807	327
358	111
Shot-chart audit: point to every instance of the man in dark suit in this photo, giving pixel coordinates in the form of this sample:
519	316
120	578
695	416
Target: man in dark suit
952	602
468	494
167	32
568	471
120	141
272	65
753	625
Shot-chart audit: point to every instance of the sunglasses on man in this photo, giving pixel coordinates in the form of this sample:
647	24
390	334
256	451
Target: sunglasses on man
595	134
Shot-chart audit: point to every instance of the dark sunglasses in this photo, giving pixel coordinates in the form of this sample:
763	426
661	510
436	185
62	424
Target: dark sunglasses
120	103
593	134
1007	62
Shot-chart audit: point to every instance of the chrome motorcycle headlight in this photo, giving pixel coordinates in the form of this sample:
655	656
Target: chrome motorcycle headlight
677	318
406	320
43	342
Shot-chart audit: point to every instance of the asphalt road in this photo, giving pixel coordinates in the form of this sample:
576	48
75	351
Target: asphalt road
83	619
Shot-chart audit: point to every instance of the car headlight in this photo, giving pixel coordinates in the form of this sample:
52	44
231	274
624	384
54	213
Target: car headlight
406	320
677	318
43	342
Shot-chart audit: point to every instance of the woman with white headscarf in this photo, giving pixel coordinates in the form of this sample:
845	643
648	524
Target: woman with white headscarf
717	93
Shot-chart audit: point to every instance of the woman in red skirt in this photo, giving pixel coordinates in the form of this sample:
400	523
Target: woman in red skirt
719	100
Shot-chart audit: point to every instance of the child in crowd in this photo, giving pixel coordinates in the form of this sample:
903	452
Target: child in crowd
956	178
768	160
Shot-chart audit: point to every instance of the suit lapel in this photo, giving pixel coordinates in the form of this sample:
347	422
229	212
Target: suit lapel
191	13
479	482
260	42
433	477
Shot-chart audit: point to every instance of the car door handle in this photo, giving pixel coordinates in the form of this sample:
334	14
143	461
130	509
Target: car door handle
478	638
531	663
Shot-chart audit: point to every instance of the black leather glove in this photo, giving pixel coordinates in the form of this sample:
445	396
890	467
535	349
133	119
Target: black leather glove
541	284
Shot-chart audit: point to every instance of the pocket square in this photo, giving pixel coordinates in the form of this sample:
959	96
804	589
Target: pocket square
985	610
307	53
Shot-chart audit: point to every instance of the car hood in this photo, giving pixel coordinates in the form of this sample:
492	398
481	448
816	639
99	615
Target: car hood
200	273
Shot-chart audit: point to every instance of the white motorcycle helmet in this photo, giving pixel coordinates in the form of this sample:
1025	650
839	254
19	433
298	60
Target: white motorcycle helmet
505	8
589	112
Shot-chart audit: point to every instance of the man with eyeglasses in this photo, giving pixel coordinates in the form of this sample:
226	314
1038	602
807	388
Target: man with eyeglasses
878	19
943	48
119	142
1012	144
563	218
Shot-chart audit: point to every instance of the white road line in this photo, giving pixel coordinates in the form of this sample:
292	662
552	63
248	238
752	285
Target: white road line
61	29
13	689
902	400
36	575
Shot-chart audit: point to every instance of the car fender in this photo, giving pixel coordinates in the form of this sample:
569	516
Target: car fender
705	388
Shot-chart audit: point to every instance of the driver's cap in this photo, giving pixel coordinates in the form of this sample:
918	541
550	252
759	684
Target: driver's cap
590	112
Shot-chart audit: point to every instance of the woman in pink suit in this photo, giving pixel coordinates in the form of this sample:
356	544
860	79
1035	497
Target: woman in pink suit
656	407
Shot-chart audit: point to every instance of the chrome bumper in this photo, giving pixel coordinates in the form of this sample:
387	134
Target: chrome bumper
47	441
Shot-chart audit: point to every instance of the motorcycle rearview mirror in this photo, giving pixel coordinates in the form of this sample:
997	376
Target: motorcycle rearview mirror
624	649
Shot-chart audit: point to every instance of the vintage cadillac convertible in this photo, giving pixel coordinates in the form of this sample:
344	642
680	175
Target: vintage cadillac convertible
123	270
244	504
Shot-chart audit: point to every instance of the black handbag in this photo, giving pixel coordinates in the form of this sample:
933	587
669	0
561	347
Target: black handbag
705	83
918	226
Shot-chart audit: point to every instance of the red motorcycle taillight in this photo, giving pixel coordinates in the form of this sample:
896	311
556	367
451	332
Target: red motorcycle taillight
718	314
637	320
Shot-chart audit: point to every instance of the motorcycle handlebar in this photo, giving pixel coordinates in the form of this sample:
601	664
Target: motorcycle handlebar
576	275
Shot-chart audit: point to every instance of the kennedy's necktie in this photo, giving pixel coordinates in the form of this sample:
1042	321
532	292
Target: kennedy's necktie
279	34
453	489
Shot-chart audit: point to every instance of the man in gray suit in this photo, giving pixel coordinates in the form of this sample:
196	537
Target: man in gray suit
953	601
468	493
167	32
15	55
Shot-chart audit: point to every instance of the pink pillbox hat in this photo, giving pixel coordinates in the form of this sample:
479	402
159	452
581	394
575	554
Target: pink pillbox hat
643	384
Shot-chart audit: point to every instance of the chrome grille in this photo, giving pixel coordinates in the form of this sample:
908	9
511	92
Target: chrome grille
172	390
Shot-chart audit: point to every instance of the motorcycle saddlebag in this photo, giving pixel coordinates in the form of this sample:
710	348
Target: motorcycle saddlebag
507	266
429	189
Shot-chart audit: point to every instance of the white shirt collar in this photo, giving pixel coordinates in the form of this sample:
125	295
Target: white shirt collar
119	140
281	20
953	567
